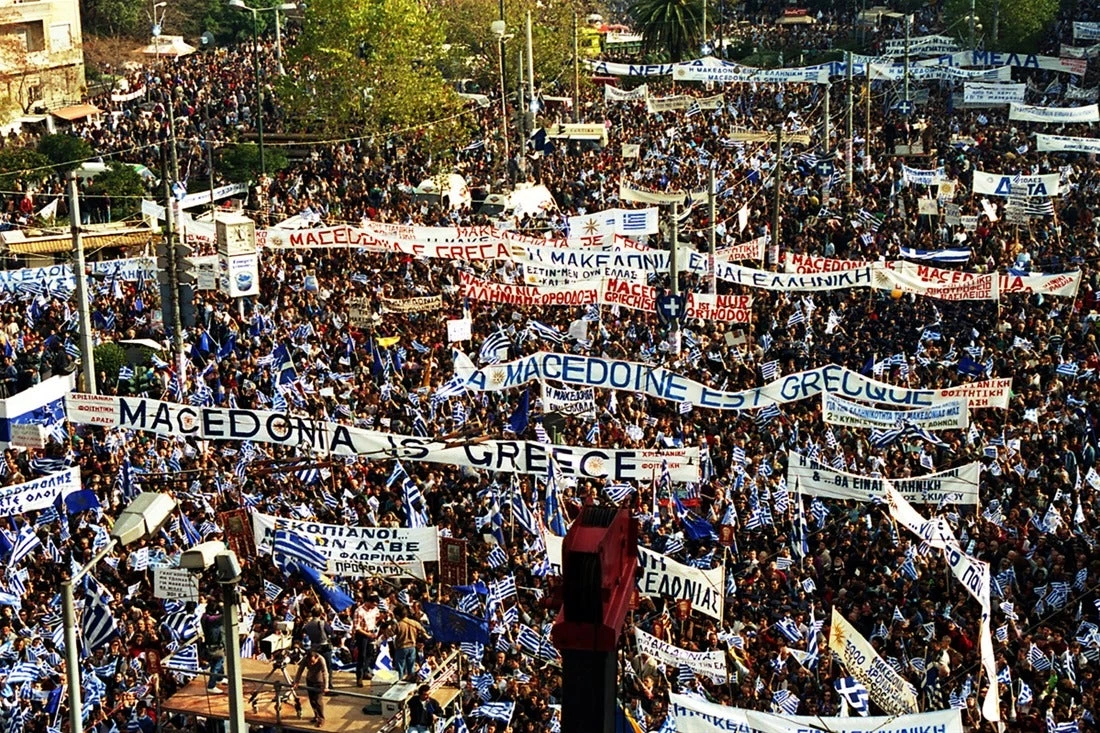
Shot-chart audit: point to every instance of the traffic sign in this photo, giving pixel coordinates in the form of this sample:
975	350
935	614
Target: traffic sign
671	307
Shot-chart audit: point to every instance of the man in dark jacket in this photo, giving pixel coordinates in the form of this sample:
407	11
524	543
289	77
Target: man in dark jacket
423	711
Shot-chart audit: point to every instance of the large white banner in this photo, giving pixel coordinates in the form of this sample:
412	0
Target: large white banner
659	382
38	493
594	261
608	291
1065	143
835	410
954	486
909	277
922	176
568	401
800	263
610	68
889	690
978	92
1086	30
1015	60
936	531
505	456
357	551
128	269
1009	184
614	94
751	250
918	71
791	282
1055	115
706	664
921	45
692	714
718	71
663	576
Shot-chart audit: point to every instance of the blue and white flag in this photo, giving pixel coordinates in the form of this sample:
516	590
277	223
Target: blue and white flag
855	694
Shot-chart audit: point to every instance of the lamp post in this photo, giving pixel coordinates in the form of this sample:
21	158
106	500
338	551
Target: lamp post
240	5
497	28
156	27
141	519
227	572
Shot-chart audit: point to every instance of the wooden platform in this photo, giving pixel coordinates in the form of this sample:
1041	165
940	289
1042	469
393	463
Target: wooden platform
343	711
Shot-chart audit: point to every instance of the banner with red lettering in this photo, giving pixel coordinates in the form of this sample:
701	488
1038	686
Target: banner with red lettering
607	291
911	277
794	262
751	250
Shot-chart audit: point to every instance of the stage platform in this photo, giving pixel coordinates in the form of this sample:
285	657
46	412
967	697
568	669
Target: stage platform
343	711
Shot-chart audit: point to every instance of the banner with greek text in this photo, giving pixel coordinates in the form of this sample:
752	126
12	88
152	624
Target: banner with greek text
912	277
1081	94
723	72
632	376
568	401
1015	60
614	94
682	102
751	250
662	576
974	575
128	269
357	551
630	192
1087	31
954	486
977	92
504	456
936	531
1055	115
889	690
692	714
607	291
420	304
921	45
38	493
1006	185
795	282
704	664
593	261
794	262
922	176
836	410
919	71
1064	143
610	68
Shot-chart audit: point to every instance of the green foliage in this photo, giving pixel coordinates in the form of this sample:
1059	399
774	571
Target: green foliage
241	163
670	27
123	185
65	151
1020	23
234	25
22	164
108	358
115	17
370	67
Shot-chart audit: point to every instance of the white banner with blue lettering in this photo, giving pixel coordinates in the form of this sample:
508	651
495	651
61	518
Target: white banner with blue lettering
1086	30
716	70
976	92
1067	144
568	401
922	176
889	690
955	486
129	269
835	410
1015	60
693	714
38	493
610	68
660	575
1008	184
632	376
505	456
1055	115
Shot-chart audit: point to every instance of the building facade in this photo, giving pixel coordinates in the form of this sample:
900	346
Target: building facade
41	56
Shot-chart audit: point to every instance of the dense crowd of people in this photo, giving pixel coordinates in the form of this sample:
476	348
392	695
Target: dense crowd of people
1036	524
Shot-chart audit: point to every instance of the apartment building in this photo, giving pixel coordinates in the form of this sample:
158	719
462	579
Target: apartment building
41	56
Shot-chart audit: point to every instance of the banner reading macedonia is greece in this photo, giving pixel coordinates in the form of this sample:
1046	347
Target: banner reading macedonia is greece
954	486
357	551
695	715
505	456
655	381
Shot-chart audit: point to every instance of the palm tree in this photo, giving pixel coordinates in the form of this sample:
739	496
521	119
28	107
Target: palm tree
671	26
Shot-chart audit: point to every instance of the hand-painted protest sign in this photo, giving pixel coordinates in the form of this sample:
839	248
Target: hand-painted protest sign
889	690
836	410
954	486
663	576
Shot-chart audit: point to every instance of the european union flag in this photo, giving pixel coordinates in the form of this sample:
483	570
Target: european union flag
325	586
518	422
452	626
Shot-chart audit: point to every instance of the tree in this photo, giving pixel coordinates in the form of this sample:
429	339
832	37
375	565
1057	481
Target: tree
672	28
22	165
65	151
123	186
241	163
114	17
370	68
108	358
1019	23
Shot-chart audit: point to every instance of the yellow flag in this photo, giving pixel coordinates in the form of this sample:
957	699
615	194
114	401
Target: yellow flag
386	342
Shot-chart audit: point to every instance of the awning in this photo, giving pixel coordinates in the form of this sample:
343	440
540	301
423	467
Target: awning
173	46
77	112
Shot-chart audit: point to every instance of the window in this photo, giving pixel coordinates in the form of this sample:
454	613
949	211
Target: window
61	38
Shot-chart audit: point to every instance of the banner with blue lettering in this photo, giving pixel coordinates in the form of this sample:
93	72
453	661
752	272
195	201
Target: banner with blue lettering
662	576
889	690
1009	184
954	486
568	401
1065	143
1054	115
922	176
38	493
358	551
609	68
129	269
983	93
1016	60
716	70
693	714
835	410
505	456
632	376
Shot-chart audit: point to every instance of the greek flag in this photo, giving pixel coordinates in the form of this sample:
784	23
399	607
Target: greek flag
271	591
98	625
854	693
497	557
1038	661
290	545
494	348
785	701
496	711
1068	369
24	545
541	330
769	370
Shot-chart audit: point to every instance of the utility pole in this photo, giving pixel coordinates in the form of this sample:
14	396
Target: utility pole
905	95
170	295
825	131
848	161
530	63
674	277
576	72
972	9
778	178
867	116
996	22
712	234
87	352
209	153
